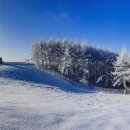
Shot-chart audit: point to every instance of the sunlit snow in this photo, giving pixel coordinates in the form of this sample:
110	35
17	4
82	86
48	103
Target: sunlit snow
30	100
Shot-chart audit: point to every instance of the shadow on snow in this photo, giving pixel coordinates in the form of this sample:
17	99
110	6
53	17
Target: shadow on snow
30	73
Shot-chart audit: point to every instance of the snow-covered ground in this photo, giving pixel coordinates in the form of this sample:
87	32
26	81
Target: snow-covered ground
34	100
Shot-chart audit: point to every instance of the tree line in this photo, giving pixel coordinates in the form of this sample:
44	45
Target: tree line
81	62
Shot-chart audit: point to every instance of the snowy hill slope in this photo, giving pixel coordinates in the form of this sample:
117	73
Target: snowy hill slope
30	73
37	105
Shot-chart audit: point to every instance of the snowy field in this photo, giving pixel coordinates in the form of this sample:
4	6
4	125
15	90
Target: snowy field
35	100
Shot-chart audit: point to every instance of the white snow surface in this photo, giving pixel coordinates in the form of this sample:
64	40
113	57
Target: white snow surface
29	102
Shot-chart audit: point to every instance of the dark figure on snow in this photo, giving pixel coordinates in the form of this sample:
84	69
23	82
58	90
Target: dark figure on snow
1	60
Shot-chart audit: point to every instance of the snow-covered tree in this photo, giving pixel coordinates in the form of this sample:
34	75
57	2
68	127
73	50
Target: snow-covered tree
85	72
39	53
84	65
66	62
122	70
36	54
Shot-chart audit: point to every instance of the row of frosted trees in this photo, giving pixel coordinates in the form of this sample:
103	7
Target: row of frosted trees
76	61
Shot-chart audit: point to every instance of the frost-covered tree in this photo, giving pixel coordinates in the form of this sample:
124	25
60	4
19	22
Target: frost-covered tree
84	65
36	54
39	54
85	72
122	70
66	62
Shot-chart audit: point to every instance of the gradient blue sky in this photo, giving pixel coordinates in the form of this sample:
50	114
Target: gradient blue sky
101	22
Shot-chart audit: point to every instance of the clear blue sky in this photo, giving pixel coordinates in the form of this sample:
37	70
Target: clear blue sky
100	22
